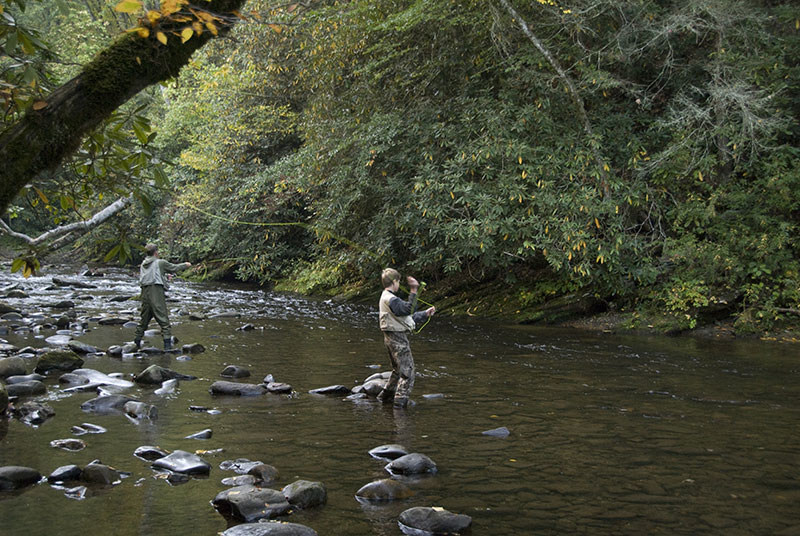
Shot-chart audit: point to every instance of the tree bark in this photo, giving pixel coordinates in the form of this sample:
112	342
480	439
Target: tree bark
44	137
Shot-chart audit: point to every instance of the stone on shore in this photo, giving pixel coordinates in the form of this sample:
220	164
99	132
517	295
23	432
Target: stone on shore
237	389
305	494
433	520
270	528
250	503
15	477
57	361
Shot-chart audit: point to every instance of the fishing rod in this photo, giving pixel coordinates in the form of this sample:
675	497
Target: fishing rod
309	227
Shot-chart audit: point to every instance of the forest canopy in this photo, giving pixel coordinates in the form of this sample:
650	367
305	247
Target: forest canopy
640	154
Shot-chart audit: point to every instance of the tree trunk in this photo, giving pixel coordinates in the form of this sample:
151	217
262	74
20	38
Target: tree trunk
43	138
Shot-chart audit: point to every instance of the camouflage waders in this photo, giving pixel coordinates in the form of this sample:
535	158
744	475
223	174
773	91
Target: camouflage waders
402	378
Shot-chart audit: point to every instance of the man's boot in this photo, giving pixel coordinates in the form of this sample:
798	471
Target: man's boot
138	342
168	344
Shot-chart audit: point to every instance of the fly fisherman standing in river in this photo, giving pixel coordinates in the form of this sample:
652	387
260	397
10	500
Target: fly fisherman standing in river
154	281
397	319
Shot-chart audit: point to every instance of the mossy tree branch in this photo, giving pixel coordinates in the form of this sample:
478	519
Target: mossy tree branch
45	136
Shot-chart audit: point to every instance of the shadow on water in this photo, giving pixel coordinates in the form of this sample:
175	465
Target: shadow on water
608	434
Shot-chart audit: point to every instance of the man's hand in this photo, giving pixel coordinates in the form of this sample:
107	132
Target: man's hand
430	311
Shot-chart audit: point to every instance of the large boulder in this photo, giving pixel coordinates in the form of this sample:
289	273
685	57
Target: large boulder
386	489
305	494
155	375
12	366
237	389
411	464
270	528
183	462
56	361
15	477
433	520
249	503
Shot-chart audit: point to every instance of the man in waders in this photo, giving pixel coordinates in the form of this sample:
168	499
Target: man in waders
154	281
397	319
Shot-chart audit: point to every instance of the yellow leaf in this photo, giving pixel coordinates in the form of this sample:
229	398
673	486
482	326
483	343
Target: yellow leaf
138	60
520	160
524	173
212	28
452	196
153	16
186	34
128	6
162	38
597	223
700	175
605	166
144	33
275	28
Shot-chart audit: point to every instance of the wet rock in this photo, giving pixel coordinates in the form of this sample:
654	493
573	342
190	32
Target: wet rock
411	464
497	432
63	304
150	453
112	321
68	444
119	299
72	380
106	404
183	462
433	521
203	434
167	387
16	293
25	378
386	489
155	375
6	308
234	371
82	348
389	452
432	396
331	390
98	473
374	387
278	388
78	493
249	503
12	366
60	282
139	410
195	348
357	396
240	480
269	528
33	413
29	388
3	399
246	327
379	376
88	428
58	361
65	473
15	477
195	317
264	473
95	379
239	465
237	389
305	494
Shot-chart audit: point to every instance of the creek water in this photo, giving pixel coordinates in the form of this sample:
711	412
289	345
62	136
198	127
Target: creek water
608	434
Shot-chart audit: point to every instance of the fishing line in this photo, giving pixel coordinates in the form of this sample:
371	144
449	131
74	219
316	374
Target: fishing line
309	227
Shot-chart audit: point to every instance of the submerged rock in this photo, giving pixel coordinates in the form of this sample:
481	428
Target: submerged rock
305	494
3	399
183	462
15	477
386	489
433	520
88	428
68	444
497	432
237	389
249	503
239	465
411	464
270	528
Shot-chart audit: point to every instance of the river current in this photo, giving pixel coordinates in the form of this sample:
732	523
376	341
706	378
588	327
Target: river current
609	434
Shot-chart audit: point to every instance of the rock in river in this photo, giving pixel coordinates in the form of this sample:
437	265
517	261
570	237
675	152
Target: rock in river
139	410
29	388
235	371
202	434
12	366
106	404
237	389
411	464
270	528
433	520
33	413
65	473
150	453
331	390
57	361
155	375
386	489
68	444
82	348
16	477
389	452
184	462
305	494
99	473
249	503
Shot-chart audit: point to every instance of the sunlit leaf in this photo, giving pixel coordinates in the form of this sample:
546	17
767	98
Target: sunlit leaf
162	38
186	34
129	6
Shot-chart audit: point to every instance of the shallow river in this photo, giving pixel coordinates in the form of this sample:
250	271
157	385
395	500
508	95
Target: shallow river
608	434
